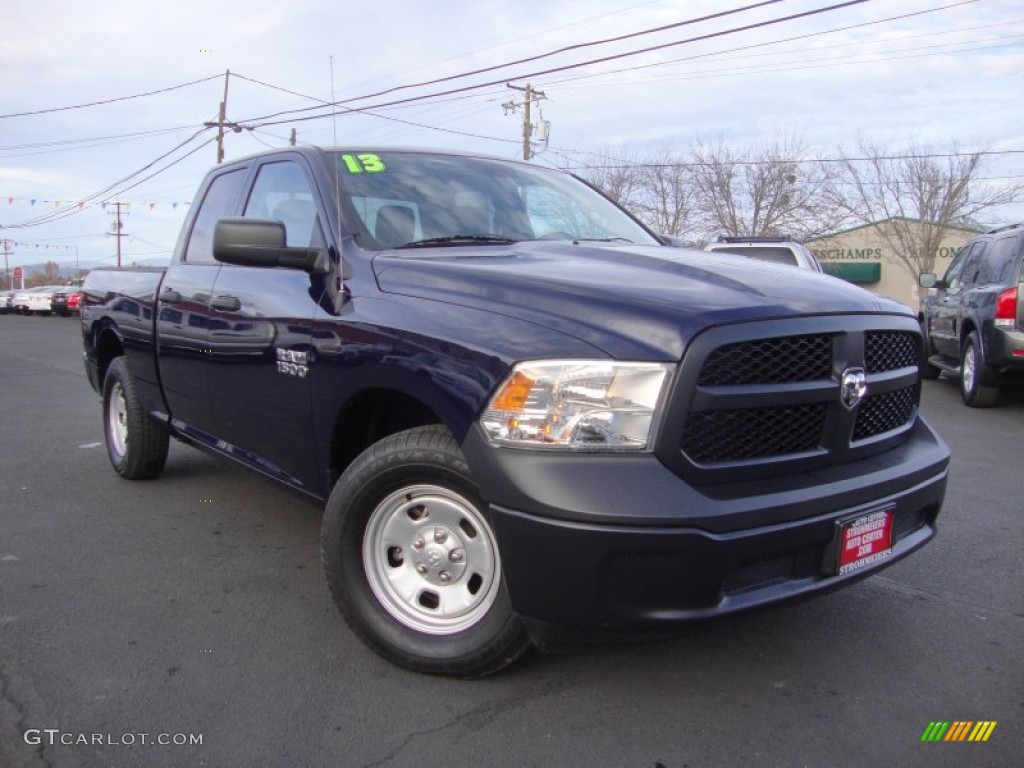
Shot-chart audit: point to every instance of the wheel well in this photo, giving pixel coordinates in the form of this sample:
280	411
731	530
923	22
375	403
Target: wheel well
369	417
108	347
966	329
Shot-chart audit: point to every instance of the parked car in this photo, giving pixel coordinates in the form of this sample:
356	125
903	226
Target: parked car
6	302
21	299
40	302
973	318
778	250
65	300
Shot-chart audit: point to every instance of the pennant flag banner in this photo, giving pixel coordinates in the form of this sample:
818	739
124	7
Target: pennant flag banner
37	246
127	205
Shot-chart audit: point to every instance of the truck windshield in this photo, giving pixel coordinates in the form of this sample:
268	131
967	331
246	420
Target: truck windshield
407	198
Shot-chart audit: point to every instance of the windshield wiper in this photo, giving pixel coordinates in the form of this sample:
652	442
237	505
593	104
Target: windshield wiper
603	240
457	240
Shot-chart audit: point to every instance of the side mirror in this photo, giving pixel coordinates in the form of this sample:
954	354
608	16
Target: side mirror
261	243
927	280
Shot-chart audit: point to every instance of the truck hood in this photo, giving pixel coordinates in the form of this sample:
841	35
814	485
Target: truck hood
635	302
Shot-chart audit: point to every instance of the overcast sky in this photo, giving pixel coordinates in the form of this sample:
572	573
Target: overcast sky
949	76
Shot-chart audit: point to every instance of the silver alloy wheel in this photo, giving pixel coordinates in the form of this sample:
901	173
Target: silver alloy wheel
968	369
431	559
117	420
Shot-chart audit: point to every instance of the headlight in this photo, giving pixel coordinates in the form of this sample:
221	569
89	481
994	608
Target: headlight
577	404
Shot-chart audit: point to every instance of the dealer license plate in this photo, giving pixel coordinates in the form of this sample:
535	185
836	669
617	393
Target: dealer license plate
864	540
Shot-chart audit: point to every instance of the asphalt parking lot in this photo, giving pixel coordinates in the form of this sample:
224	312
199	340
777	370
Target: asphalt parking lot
194	605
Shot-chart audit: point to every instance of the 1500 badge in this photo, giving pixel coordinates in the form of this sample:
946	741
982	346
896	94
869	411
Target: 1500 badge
293	363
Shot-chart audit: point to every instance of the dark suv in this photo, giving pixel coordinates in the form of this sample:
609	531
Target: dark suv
973	319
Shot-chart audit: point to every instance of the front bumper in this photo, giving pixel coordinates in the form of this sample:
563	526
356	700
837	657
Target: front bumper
621	542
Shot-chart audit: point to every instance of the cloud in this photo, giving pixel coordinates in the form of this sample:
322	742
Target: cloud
59	53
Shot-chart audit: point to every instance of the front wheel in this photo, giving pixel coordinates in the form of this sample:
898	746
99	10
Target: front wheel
976	379
412	562
137	445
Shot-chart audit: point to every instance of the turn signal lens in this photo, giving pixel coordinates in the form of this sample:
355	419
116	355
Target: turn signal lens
512	396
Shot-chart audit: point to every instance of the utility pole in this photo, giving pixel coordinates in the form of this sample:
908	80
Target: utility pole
223	118
7	266
530	95
117	227
223	122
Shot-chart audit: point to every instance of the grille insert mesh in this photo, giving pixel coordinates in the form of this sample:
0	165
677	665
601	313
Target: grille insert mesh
753	433
884	412
769	361
889	350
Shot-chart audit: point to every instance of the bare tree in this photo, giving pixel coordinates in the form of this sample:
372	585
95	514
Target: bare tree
915	195
656	187
616	172
49	276
666	202
776	190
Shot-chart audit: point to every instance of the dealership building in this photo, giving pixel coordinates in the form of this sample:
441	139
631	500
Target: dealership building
862	255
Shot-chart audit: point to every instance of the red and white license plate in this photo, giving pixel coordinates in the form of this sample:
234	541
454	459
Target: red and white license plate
864	540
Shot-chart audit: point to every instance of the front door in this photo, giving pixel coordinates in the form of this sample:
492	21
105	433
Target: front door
260	330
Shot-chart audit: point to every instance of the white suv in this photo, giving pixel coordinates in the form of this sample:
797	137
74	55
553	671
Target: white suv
778	250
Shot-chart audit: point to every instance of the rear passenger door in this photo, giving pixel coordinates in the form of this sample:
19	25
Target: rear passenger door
183	310
260	329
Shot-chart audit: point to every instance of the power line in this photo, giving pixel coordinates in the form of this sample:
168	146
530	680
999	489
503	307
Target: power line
830	61
76	207
792	161
743	48
465	89
109	101
375	115
64	142
564	68
512	41
575	47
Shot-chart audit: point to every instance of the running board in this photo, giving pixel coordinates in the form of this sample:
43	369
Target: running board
945	364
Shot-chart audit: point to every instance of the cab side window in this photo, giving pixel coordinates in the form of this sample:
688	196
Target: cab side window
283	192
217	203
952	276
969	274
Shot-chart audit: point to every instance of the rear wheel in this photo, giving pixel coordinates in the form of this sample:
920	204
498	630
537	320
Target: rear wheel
137	445
412	562
977	381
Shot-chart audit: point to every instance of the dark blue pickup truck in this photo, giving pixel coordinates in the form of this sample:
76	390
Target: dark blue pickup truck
525	415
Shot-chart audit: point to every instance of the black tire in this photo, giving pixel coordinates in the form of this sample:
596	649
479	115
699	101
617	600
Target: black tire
412	562
977	380
137	445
